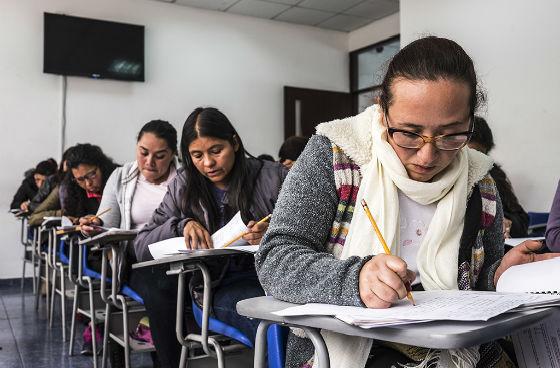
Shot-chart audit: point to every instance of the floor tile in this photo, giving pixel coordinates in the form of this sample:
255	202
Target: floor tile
28	342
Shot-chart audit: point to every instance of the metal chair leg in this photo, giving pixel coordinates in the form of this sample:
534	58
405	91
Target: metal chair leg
125	333
39	283
63	301
23	272
106	336
93	326
53	297
34	263
73	326
47	282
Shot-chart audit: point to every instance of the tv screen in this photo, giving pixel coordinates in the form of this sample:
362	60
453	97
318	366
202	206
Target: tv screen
93	48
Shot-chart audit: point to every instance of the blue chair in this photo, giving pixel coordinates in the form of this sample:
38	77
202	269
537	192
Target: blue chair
537	223
276	337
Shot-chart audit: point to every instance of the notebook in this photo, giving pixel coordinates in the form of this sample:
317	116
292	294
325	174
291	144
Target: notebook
537	346
513	242
537	277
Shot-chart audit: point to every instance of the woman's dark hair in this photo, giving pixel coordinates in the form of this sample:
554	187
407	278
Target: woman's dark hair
87	154
163	130
431	58
482	134
210	122
46	168
292	148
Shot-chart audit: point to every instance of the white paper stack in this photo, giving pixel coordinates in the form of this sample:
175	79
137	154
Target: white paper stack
223	236
430	306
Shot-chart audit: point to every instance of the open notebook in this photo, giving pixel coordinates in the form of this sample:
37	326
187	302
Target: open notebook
537	277
230	231
536	346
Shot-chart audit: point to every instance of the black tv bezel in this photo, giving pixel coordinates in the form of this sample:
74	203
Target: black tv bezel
90	75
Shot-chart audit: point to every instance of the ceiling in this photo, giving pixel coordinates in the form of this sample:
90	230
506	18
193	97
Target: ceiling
339	15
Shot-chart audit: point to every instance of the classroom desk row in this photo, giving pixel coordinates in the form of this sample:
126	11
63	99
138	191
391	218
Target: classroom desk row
438	335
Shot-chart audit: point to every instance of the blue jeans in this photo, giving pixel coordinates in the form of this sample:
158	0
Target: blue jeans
236	286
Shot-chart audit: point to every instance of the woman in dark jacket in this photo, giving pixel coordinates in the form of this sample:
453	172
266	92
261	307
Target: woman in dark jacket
33	181
51	183
219	180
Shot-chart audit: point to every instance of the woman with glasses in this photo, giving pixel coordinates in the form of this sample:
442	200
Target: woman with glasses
82	188
432	197
80	195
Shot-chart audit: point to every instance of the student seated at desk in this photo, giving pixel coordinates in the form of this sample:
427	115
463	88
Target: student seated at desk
516	220
51	182
553	225
133	192
34	180
433	198
80	195
219	179
47	200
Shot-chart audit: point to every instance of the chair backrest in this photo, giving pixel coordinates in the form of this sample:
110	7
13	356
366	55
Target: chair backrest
537	223
538	218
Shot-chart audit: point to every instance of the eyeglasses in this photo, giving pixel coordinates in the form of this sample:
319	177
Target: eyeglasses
446	142
90	176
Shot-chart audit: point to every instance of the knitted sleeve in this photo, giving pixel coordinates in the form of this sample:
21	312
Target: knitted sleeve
292	262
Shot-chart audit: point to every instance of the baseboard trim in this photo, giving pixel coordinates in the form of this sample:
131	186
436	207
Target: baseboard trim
4	283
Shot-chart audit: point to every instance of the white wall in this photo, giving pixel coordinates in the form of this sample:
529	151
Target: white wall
193	57
377	31
514	44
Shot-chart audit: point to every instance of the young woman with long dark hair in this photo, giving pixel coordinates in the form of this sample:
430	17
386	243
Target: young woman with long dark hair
219	179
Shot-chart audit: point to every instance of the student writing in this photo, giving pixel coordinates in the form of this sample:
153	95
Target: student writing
432	197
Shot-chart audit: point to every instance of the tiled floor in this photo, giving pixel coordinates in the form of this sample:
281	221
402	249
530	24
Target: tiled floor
26	341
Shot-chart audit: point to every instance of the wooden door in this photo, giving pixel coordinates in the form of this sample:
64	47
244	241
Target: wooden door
305	108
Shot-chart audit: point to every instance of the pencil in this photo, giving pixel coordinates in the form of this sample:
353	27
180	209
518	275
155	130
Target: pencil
381	240
266	218
100	214
72	229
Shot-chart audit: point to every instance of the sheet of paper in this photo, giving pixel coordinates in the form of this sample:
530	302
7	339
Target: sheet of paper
230	231
539	346
534	277
431	305
65	221
513	242
167	247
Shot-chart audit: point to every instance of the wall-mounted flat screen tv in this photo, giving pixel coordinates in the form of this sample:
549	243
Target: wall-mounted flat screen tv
93	48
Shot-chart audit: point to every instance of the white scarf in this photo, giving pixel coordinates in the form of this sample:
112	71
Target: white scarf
364	139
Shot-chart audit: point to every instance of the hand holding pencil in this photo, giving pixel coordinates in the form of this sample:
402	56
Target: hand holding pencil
255	232
384	279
